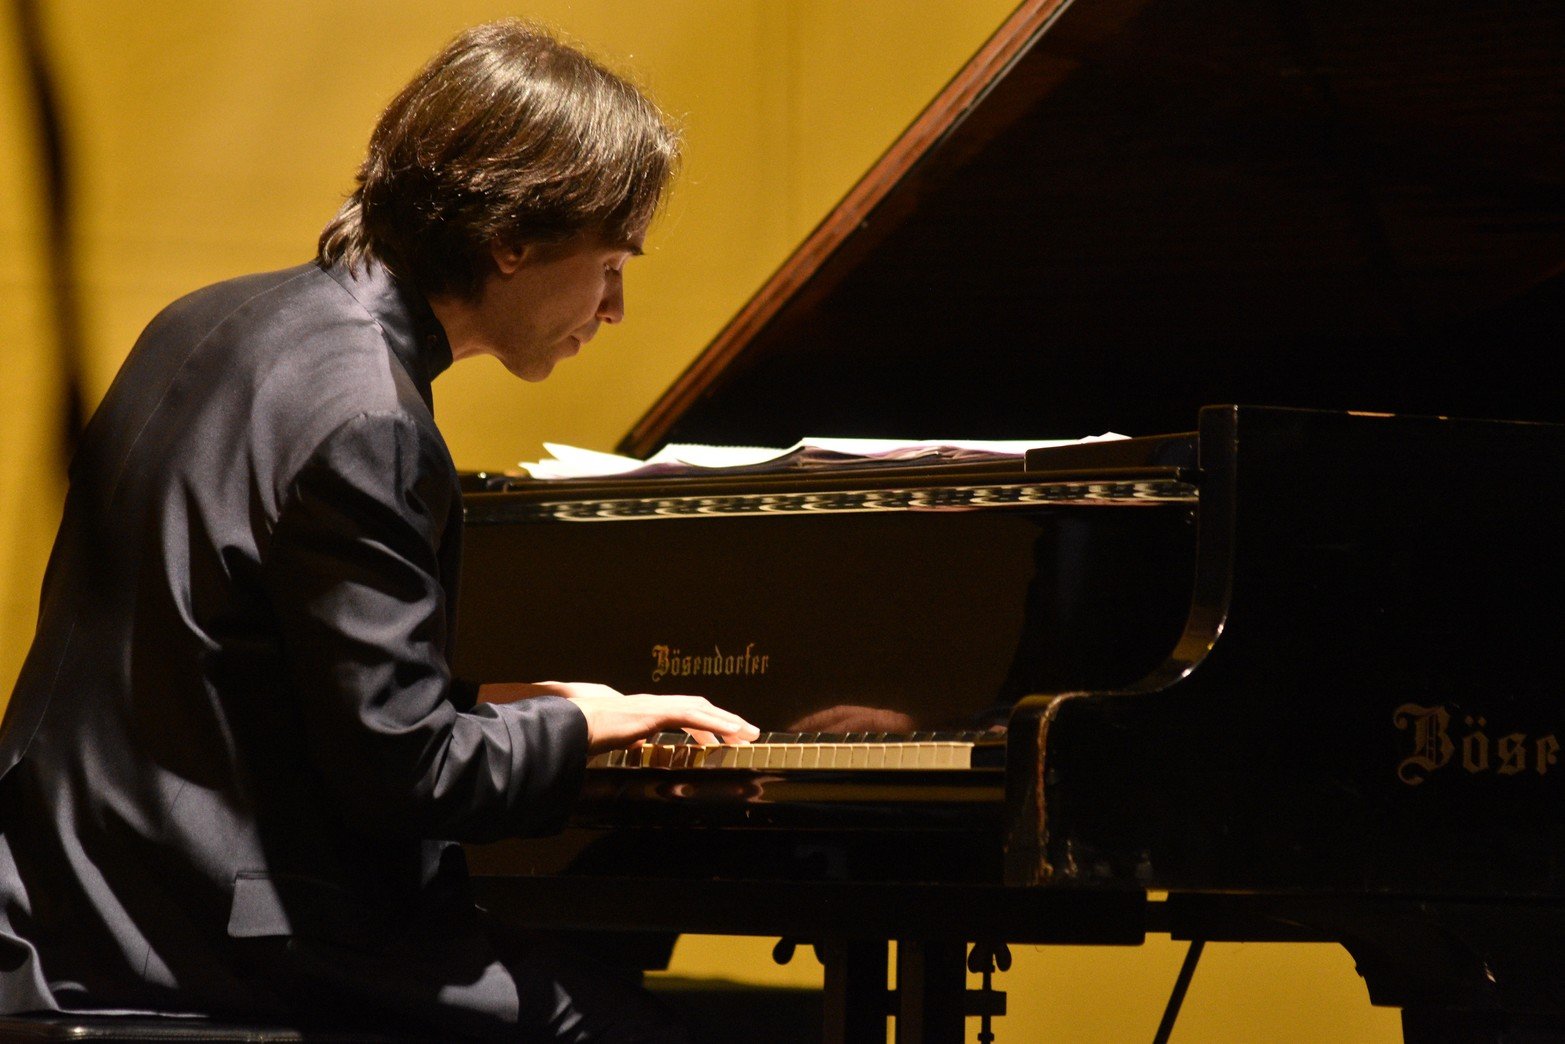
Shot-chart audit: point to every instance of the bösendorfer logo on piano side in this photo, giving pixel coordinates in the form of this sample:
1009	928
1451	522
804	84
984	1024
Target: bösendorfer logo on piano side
1474	751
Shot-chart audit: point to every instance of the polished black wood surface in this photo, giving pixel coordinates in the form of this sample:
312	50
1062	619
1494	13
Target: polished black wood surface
1364	699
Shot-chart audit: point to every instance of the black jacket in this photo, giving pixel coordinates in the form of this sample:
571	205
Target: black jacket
237	720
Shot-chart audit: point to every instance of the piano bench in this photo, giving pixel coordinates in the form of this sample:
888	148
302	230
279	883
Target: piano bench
61	1026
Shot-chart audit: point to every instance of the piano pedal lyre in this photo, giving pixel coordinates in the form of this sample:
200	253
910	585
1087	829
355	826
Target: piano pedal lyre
986	1001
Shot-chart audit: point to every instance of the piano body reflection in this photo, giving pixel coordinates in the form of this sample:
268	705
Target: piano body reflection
1291	672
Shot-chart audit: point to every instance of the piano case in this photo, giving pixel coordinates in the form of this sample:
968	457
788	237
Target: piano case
1287	667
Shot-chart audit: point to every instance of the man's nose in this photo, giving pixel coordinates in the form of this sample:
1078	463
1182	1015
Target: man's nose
612	308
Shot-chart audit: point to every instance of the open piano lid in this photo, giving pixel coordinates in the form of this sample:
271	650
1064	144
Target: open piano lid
1122	210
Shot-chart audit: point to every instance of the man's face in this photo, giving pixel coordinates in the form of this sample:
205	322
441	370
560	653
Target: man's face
542	303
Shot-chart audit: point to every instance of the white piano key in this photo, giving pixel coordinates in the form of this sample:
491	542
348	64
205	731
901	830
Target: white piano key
831	755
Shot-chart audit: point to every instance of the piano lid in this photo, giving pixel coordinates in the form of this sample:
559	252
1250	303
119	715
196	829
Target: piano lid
1122	210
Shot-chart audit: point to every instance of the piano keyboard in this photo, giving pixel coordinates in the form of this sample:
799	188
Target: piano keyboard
775	751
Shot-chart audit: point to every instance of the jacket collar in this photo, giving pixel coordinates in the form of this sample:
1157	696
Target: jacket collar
414	334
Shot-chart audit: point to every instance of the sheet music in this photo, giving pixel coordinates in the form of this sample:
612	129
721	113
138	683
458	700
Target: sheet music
574	462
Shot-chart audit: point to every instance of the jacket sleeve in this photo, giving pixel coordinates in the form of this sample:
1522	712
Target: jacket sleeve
352	572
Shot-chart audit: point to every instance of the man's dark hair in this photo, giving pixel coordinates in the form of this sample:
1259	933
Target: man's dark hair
507	135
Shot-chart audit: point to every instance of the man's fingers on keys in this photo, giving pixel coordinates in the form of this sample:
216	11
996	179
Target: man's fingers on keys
738	731
705	716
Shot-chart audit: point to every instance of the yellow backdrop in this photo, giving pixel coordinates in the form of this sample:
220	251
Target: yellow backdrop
215	137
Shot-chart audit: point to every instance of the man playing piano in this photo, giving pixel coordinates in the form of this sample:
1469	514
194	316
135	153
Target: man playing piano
236	765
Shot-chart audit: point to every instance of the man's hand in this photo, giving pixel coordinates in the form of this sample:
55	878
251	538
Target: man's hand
616	720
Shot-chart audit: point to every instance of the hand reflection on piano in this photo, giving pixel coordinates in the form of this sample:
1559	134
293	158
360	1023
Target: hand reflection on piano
616	720
848	718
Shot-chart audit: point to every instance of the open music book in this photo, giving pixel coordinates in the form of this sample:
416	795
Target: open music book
571	462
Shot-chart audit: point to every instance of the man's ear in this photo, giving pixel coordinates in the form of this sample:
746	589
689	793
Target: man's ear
507	257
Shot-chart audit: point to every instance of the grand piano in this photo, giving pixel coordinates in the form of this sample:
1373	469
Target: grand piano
1280	666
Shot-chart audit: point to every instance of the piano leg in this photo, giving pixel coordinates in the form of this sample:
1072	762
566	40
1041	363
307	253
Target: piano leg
931	990
1463	972
853	990
1433	1025
1474	972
